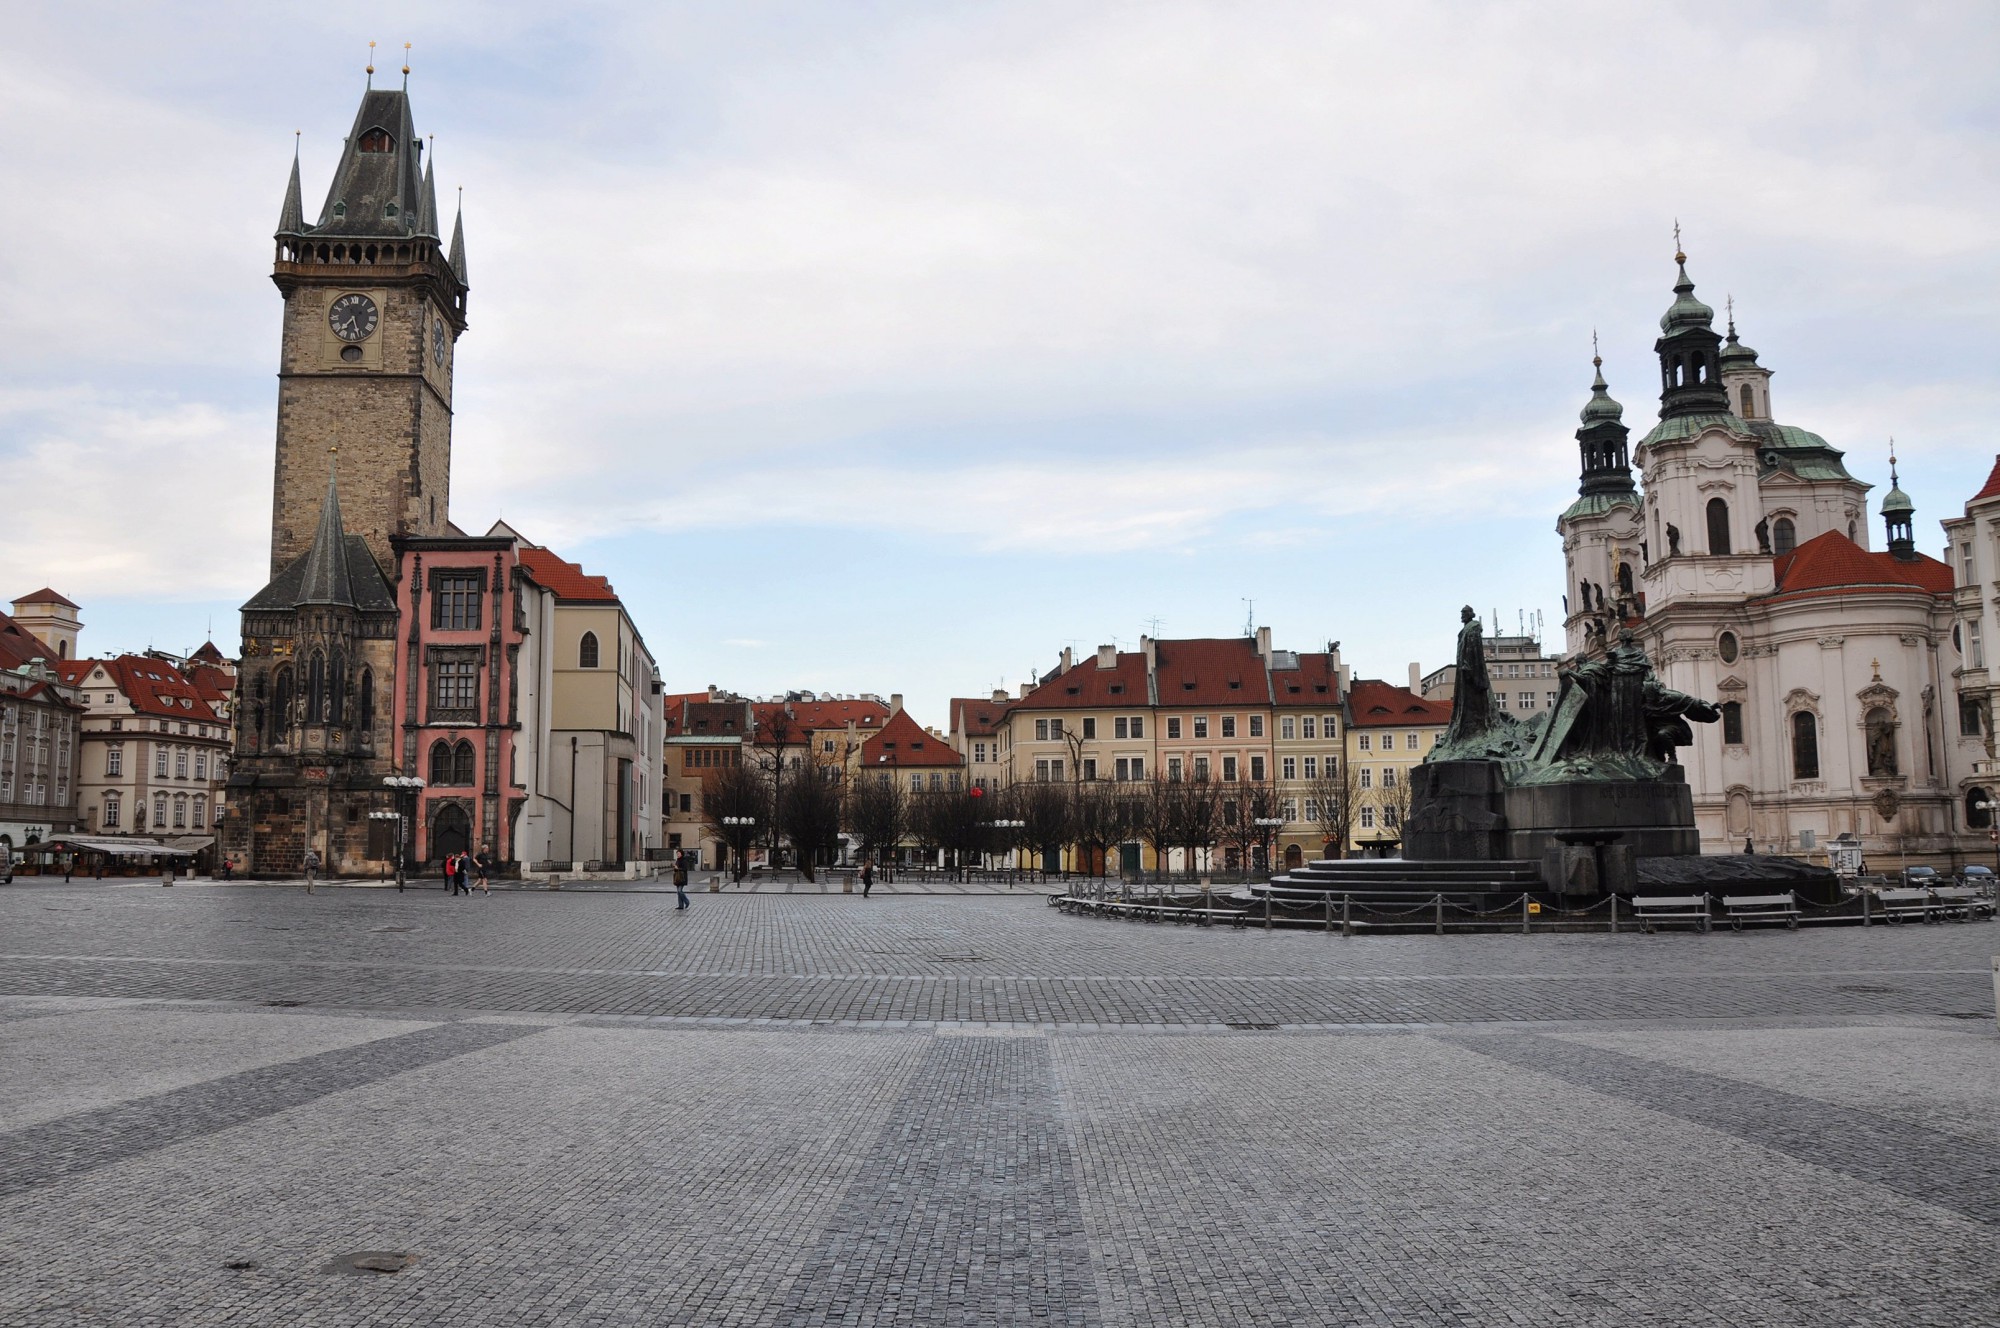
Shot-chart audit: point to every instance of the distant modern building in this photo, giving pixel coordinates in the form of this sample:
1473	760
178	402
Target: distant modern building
1523	677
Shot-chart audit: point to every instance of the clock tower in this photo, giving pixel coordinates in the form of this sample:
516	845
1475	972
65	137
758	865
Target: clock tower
374	307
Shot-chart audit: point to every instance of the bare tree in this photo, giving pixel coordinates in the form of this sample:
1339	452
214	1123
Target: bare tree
1333	797
878	813
779	732
1100	815
736	808
1242	806
1200	818
1156	820
1044	810
1392	799
809	814
954	821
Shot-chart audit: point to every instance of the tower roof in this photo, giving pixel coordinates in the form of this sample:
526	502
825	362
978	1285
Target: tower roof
458	245
378	186
326	580
1736	355
1601	407
1686	311
291	217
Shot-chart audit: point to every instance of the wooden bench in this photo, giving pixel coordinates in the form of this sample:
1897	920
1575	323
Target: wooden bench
1908	902
1655	910
1761	908
1961	901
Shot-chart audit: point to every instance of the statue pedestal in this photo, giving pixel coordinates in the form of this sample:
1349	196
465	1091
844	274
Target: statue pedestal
1652	818
1455	813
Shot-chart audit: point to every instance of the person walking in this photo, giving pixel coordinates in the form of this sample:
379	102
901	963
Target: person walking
228	870
312	868
681	879
867	876
483	870
455	868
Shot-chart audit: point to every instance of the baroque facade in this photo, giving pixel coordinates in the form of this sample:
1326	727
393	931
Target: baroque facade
1741	562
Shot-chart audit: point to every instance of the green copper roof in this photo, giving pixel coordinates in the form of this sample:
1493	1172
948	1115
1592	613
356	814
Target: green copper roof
1736	354
1896	501
1686	311
1597	504
1680	428
1601	407
1800	451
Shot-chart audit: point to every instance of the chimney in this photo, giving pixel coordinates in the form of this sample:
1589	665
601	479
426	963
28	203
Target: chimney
1150	649
1416	676
1345	679
1026	687
711	691
896	701
1264	642
1107	657
1068	661
999	696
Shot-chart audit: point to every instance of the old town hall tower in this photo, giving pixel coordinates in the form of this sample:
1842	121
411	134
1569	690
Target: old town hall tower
374	307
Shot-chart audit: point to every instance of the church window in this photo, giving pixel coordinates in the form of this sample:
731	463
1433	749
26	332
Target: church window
1732	723
377	140
1978	810
1718	526
1805	745
1748	402
281	707
441	770
367	716
455	602
586	651
1881	743
1784	535
1970	722
463	764
315	688
1726	646
337	689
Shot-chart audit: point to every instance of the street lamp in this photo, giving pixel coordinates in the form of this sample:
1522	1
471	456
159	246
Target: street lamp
739	843
1013	850
1269	825
403	786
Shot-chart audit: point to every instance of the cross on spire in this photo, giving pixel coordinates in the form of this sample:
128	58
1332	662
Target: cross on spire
1680	254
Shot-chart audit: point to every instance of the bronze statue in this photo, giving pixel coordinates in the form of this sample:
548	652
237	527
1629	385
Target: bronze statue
1612	709
1472	700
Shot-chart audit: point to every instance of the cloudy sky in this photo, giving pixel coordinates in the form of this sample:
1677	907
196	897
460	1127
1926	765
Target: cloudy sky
892	347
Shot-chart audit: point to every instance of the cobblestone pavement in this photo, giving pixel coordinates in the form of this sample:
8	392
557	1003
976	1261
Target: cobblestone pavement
554	1109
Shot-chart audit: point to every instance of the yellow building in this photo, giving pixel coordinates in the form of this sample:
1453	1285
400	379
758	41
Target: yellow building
1389	730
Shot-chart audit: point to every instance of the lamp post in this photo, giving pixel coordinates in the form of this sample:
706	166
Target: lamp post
1267	827
742	830
1993	833
403	786
1008	826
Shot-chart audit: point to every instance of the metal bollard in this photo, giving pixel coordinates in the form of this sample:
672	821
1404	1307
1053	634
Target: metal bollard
1614	913
1866	920
1329	912
1438	904
1267	910
1347	915
1524	915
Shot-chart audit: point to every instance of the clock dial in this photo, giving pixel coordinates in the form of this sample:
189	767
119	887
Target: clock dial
437	341
352	317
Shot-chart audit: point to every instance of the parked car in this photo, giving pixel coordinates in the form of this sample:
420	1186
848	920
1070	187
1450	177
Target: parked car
1976	875
1921	877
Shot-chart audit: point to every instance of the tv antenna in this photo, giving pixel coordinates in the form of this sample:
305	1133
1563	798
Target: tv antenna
1249	617
1153	627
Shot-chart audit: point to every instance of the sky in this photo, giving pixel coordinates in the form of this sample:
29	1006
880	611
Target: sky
880	347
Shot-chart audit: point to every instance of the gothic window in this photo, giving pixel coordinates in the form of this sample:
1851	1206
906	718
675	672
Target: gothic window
1732	723
586	651
1978	809
1718	526
376	140
282	707
1881	743
440	763
463	765
455	601
315	688
1805	745
337	690
367	704
1747	401
1784	535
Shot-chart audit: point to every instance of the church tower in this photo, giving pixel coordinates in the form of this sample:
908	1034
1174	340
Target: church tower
1603	535
374	306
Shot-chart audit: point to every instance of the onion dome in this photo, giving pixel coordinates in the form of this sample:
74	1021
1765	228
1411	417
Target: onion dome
1686	311
1601	407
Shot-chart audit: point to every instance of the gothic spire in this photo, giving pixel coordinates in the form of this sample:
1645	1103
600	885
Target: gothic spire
291	217
326	579
458	241
427	215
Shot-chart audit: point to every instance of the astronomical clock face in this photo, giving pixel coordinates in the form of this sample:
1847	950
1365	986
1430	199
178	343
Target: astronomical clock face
437	340
353	317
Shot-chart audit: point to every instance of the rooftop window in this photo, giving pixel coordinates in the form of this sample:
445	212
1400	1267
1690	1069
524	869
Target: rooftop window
376	140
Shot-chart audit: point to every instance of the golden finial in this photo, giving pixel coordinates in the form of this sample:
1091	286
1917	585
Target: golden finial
371	64
1680	255
406	62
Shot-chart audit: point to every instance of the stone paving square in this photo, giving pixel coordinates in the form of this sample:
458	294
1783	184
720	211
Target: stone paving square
818	1110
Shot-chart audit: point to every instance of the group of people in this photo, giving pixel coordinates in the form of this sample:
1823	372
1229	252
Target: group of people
457	866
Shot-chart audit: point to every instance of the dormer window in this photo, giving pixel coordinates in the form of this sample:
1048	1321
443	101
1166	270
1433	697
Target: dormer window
376	140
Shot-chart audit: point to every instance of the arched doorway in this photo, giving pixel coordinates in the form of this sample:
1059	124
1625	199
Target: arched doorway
451	831
1294	857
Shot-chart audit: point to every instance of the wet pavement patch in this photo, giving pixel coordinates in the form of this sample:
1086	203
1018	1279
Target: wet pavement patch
370	1261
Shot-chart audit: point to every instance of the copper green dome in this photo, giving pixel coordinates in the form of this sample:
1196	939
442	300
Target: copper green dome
1686	311
1601	407
1735	353
1897	502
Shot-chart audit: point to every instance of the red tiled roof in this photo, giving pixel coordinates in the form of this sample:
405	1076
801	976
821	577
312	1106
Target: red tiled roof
709	719
46	596
565	578
1992	488
903	742
1086	685
153	686
1831	563
18	645
208	654
1211	671
1374	704
977	716
812	716
1313	682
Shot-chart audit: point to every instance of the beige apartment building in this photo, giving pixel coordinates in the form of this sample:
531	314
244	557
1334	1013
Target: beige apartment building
1390	730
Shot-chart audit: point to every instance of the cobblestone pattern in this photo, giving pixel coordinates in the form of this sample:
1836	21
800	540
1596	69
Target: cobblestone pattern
965	1211
72	1145
1905	1156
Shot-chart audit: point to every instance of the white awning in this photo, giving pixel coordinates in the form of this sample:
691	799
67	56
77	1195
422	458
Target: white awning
123	848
